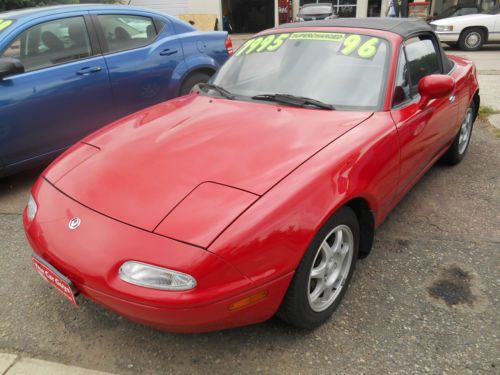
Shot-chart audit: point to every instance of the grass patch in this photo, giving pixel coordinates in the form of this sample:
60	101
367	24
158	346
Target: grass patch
485	111
495	131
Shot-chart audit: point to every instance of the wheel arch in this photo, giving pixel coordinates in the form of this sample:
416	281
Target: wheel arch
366	220
483	28
210	70
476	99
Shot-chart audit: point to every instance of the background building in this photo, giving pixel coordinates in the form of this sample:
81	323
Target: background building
250	16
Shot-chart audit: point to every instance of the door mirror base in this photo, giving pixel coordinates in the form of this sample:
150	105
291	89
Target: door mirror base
434	86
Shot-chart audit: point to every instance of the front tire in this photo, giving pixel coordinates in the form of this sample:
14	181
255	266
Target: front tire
457	150
324	272
472	39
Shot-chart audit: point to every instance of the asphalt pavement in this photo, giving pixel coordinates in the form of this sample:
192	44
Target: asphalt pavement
425	301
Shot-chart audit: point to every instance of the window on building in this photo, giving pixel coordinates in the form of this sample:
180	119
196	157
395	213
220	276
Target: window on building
374	8
123	32
51	43
343	8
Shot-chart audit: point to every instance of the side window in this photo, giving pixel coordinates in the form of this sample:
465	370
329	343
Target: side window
423	60
123	32
13	50
160	25
402	83
51	43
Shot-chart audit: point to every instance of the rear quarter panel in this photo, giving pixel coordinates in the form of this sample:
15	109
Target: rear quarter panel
204	49
466	84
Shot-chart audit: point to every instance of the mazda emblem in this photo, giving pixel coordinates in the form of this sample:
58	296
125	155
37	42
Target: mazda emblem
74	223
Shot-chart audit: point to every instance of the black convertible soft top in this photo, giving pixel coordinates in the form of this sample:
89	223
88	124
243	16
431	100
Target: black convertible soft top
405	27
402	26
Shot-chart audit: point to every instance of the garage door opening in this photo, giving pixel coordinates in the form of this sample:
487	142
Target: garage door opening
248	16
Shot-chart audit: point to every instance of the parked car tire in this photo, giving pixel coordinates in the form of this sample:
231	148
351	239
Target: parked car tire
192	80
327	264
472	39
457	151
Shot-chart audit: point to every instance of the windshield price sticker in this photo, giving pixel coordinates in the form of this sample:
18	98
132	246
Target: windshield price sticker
5	23
273	42
270	43
329	37
357	46
354	45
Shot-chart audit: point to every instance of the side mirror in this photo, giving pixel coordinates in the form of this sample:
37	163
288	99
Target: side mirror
433	87
10	66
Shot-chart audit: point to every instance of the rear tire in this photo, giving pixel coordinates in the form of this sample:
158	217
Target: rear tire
193	80
457	150
472	39
324	272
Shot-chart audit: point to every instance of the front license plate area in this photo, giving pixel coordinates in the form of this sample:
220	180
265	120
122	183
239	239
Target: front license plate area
55	278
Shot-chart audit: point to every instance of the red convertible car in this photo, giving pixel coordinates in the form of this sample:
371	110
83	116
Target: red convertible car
256	195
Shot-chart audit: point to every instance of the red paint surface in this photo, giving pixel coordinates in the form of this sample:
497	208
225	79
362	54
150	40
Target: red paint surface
230	192
205	213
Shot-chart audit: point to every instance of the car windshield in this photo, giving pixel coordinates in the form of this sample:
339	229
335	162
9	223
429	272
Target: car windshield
448	12
4	24
322	9
344	70
494	10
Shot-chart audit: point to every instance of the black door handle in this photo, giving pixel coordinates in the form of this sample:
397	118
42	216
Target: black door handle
168	52
88	70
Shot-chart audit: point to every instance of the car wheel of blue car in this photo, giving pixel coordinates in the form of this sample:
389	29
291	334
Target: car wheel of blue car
192	80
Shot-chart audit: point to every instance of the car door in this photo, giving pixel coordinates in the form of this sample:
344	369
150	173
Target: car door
142	53
63	95
423	132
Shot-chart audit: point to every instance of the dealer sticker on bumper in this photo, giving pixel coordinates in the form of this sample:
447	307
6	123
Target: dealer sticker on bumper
55	278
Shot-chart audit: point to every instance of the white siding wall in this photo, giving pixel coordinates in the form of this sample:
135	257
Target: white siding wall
204	6
172	7
176	7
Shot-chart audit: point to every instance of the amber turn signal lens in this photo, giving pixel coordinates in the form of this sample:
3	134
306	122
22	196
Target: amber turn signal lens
247	301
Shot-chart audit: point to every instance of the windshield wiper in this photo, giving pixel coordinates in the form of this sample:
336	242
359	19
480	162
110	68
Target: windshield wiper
219	89
298	101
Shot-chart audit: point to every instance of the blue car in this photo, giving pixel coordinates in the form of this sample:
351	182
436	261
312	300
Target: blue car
65	71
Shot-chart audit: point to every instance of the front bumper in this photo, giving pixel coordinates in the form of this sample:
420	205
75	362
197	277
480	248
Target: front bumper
91	255
448	36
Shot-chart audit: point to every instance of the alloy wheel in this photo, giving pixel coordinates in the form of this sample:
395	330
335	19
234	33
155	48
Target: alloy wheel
465	130
330	268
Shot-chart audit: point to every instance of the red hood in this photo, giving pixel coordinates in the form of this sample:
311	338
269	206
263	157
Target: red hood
151	160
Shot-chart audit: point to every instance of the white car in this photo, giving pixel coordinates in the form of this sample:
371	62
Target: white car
470	32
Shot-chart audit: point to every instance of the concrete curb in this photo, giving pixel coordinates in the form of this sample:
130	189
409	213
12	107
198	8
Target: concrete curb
11	364
495	120
6	362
